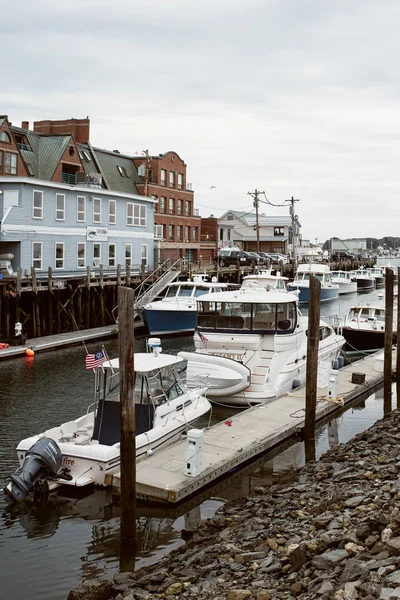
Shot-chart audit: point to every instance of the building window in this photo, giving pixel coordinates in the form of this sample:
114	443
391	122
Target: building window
187	234
278	231
122	171
187	208
145	254
128	254
171	206
81	208
171	179
96	254
112	212
180	181
81	255
1	161
171	233
136	214
163	178
37	255
179	233
4	137
161	205
180	207
111	255
37	208
59	255
195	233
60	207
11	163
96	210
221	234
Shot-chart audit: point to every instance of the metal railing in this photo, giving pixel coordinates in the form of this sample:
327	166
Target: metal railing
69	178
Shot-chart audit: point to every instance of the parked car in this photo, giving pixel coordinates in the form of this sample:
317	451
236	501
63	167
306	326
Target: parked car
256	257
228	256
277	258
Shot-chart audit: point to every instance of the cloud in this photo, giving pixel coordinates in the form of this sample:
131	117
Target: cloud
296	97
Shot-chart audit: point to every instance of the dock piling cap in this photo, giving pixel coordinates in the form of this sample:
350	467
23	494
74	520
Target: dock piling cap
29	352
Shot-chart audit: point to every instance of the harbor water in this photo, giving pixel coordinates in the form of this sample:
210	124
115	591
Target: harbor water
47	549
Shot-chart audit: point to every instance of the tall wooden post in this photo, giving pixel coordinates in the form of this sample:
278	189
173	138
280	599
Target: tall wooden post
50	301
36	315
127	430
58	313
312	367
128	276
87	299
101	295
398	342
18	298
79	307
387	365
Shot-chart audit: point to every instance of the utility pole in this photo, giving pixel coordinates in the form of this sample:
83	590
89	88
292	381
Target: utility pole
294	227
146	171
255	195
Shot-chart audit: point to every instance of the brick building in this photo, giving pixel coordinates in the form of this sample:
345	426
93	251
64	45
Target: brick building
177	225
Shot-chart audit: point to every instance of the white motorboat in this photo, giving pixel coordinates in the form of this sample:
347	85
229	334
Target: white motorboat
176	311
365	281
251	345
378	275
265	280
346	282
301	282
87	450
363	327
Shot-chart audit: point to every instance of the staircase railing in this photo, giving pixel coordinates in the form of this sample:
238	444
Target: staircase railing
150	289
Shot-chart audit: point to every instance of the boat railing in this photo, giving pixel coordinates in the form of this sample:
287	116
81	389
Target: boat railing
334	321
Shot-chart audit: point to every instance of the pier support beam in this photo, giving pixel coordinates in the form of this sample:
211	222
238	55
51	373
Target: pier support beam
312	367
387	369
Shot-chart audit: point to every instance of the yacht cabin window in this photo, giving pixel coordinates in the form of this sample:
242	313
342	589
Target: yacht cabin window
243	317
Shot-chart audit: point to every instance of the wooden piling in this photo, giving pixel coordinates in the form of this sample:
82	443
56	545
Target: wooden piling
387	368
101	296
50	301
36	314
87	299
397	343
127	428
312	367
58	311
128	276
18	297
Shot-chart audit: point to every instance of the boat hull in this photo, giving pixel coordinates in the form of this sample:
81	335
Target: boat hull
327	293
358	340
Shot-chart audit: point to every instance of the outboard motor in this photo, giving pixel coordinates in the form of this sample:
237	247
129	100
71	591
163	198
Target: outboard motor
42	461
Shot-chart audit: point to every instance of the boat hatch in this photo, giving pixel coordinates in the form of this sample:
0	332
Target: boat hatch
242	317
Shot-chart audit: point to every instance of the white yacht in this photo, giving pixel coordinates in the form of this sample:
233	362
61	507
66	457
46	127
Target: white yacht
87	450
251	345
301	282
346	282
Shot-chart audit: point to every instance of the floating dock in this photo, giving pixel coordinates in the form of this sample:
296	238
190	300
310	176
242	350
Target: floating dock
244	437
60	340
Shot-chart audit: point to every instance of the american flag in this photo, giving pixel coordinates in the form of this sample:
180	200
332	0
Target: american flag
202	337
95	360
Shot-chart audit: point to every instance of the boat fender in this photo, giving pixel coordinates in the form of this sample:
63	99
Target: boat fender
296	384
341	362
335	365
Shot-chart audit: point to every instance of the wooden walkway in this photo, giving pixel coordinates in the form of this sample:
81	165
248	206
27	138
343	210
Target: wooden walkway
229	444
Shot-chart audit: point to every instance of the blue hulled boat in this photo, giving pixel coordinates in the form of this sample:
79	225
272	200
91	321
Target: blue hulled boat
301	283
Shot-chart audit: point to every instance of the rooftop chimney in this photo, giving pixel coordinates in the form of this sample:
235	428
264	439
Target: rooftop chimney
25	125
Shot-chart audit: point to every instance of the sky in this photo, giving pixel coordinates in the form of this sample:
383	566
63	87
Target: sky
290	97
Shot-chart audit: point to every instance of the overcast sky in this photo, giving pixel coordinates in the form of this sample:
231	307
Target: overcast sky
292	97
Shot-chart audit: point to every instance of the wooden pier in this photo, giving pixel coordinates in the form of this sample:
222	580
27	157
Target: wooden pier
244	437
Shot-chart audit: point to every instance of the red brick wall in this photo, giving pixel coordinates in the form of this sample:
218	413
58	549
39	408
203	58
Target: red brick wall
79	128
12	148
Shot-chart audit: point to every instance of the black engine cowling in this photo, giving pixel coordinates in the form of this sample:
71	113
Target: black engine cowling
42	460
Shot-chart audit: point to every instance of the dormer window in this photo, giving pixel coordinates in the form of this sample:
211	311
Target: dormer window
122	171
4	137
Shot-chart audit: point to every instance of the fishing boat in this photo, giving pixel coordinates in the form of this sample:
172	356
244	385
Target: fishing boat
301	282
345	281
365	282
378	275
175	312
87	450
251	345
363	327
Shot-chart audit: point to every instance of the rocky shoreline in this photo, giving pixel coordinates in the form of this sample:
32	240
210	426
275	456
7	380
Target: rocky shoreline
332	532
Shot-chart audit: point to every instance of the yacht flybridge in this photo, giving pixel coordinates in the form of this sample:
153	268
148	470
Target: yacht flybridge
251	345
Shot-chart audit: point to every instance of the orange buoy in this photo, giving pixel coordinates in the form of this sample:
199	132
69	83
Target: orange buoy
29	352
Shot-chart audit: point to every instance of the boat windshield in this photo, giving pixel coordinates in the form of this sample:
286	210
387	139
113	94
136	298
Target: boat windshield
306	276
171	292
199	291
279	317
